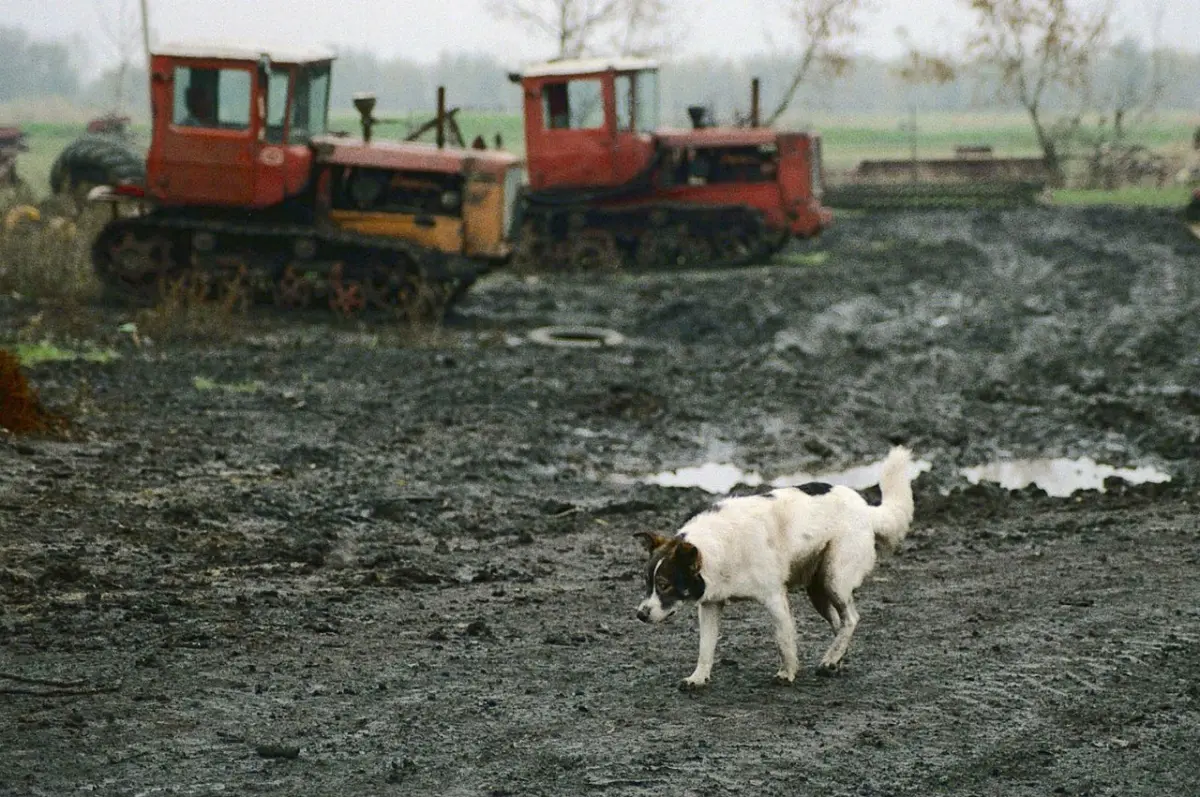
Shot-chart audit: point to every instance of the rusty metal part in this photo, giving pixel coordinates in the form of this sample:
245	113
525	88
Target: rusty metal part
137	261
293	289
346	296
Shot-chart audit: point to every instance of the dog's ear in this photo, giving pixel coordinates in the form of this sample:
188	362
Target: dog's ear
688	582
688	558
651	540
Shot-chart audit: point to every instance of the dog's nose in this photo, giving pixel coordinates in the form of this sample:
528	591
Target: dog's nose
643	615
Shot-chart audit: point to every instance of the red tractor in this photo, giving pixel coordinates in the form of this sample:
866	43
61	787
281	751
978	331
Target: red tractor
606	185
246	187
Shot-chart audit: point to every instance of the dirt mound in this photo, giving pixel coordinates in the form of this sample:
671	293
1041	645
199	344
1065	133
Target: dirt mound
20	410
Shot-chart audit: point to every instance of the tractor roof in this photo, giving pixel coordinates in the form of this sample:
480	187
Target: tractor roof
417	156
579	66
236	51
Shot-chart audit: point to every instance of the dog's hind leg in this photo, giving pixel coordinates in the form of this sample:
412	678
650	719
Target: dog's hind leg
785	636
819	595
710	623
831	662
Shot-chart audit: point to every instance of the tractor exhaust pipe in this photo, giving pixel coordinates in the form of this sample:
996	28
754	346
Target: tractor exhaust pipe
441	117
754	102
365	105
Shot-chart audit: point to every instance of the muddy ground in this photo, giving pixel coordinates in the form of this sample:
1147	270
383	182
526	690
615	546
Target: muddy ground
341	559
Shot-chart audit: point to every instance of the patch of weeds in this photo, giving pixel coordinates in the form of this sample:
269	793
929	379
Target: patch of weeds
203	384
46	351
46	254
196	309
805	259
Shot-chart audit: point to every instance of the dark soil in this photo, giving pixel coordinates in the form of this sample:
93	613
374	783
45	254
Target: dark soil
350	560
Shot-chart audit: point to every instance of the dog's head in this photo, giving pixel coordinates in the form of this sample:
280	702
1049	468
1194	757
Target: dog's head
672	576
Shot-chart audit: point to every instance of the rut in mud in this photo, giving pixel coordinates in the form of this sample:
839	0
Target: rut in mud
342	559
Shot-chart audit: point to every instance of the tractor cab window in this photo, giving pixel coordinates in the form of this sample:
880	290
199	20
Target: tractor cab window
637	101
623	87
645	100
310	105
213	98
574	105
277	96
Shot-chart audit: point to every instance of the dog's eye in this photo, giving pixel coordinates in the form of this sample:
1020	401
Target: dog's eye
663	585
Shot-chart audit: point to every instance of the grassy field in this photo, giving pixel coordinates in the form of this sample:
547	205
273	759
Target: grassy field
1175	196
847	140
850	139
45	142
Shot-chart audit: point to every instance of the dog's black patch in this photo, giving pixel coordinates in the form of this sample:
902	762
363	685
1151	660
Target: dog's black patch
674	573
815	488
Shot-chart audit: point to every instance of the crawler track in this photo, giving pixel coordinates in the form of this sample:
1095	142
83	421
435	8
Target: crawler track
291	265
644	237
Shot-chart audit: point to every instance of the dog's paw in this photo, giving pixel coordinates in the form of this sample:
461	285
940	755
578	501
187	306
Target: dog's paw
693	684
784	678
826	670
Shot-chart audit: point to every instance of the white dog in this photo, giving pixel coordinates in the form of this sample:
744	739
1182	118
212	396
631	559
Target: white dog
757	547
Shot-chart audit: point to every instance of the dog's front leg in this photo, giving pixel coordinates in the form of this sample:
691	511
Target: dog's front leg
785	636
710	621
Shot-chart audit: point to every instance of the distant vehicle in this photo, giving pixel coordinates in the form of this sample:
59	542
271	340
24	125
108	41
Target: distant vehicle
104	155
244	182
607	184
12	144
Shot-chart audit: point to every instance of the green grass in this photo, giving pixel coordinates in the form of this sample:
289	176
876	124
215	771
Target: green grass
47	352
204	384
1133	196
804	258
850	138
847	138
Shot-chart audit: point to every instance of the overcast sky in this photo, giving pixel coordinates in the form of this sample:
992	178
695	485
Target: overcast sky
422	29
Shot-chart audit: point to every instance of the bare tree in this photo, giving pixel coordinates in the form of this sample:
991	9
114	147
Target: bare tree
1040	47
824	28
120	23
1130	81
1137	79
582	27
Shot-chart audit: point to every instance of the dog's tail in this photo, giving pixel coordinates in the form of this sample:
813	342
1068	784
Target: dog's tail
890	520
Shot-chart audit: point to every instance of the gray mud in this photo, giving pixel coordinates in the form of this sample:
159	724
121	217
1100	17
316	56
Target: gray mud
364	563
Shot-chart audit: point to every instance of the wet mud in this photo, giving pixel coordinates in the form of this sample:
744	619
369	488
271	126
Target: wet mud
342	559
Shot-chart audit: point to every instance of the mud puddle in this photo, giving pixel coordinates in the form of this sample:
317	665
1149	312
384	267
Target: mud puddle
720	478
1060	477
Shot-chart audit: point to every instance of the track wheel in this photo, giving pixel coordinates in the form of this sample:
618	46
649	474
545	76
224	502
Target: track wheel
694	252
381	290
346	297
136	263
594	251
421	301
232	287
293	289
654	250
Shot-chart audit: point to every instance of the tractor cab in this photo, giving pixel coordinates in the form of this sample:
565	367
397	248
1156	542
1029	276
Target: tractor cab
232	126
591	131
590	121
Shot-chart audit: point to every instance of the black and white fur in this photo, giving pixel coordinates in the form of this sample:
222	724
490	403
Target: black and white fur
815	536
